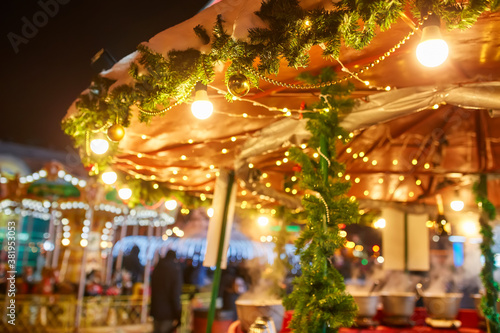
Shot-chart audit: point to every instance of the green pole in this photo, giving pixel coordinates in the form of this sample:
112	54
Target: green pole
217	274
323	167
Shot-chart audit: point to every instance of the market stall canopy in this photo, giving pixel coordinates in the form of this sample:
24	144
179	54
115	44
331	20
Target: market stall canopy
252	133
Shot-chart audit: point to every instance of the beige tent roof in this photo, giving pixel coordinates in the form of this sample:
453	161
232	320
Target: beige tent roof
458	139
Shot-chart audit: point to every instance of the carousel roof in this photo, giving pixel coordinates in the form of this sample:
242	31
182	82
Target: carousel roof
416	131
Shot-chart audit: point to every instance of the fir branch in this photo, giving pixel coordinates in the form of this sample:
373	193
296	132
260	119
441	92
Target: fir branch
489	300
319	299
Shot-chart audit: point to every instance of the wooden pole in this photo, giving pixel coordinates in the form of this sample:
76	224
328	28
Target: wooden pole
57	243
48	257
123	233
218	271
89	215
29	231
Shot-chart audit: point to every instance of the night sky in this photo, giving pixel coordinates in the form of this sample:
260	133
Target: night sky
52	64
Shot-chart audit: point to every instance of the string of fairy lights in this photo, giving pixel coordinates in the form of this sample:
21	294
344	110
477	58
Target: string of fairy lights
284	112
107	232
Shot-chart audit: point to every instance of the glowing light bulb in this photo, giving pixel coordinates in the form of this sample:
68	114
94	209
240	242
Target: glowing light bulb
379	224
202	108
171	204
99	146
432	50
125	193
263	221
65	242
84	243
210	212
109	177
457	205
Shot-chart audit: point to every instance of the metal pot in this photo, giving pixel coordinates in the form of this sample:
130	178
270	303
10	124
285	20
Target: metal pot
249	310
398	304
442	306
367	304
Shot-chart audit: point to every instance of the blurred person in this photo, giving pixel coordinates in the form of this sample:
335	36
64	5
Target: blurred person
166	288
132	264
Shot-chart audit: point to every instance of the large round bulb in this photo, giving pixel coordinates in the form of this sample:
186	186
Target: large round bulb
432	50
171	204
202	108
457	205
109	177
99	146
263	220
65	241
380	224
125	193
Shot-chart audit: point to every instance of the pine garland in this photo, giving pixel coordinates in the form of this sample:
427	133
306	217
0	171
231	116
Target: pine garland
162	81
291	32
489	300
319	298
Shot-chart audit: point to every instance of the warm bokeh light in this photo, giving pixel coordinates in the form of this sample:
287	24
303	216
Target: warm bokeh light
125	193
84	243
379	224
171	204
457	205
65	242
469	228
376	248
263	220
210	212
99	146
109	177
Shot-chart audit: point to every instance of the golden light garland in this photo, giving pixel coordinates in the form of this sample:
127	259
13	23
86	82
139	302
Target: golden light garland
344	79
168	108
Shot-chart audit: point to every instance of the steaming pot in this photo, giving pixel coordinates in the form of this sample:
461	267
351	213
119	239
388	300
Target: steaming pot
442	306
400	304
249	310
367	304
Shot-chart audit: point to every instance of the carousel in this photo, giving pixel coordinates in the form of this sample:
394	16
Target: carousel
287	122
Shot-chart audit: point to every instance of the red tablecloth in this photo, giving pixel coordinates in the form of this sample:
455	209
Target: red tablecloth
469	319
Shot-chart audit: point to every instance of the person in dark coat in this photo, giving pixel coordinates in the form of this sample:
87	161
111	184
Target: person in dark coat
166	288
132	264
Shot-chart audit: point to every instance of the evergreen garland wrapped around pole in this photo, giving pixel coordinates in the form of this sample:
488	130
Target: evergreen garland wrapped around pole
319	298
491	288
